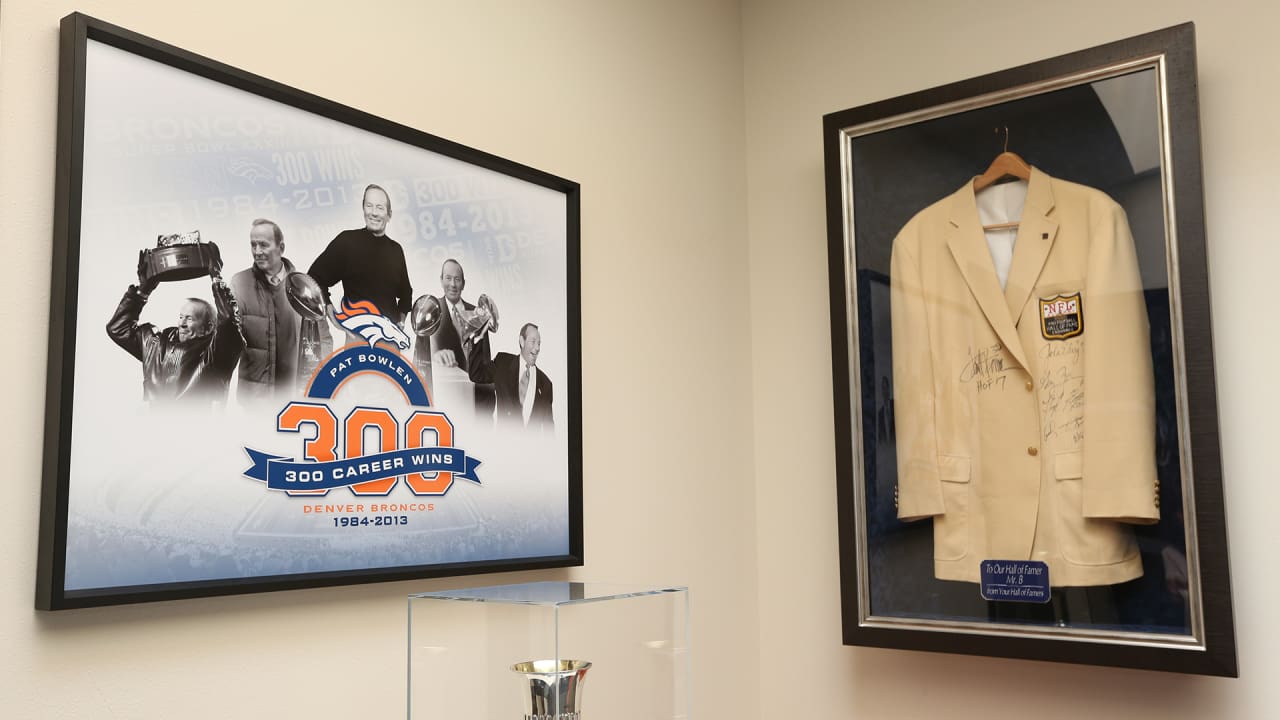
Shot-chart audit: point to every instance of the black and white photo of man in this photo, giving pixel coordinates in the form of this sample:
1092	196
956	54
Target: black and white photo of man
368	263
463	333
273	331
523	391
193	359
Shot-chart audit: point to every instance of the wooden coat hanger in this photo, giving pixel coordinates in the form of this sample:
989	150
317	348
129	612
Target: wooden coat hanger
1006	164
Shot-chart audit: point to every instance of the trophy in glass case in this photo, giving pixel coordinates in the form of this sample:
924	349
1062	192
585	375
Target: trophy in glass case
468	650
554	688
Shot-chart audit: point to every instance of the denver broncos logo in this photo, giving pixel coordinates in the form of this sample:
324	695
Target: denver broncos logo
249	170
363	318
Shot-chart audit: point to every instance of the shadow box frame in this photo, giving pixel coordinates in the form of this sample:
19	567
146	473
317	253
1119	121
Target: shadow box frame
1122	117
233	147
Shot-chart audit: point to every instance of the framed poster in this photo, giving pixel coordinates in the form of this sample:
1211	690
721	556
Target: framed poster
293	344
1026	424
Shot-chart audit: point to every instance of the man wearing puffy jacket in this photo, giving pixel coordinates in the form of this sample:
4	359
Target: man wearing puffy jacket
273	332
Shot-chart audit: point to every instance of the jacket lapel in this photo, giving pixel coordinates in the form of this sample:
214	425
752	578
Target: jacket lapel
968	245
1036	234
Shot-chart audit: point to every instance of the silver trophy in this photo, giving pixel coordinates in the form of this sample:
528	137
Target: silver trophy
483	318
181	256
554	689
424	319
307	299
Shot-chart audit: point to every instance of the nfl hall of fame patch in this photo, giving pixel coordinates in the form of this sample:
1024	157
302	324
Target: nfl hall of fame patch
1061	316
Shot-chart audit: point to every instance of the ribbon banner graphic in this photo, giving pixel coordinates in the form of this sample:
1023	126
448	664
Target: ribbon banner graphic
284	473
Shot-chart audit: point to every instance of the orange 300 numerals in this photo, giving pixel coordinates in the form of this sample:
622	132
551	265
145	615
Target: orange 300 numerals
322	445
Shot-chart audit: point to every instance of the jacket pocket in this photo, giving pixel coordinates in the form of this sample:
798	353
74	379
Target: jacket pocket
951	528
953	468
1068	465
1086	541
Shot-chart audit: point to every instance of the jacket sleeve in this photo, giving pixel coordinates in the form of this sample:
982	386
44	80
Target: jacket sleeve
482	347
326	269
123	326
404	289
551	421
919	492
480	366
1119	477
228	338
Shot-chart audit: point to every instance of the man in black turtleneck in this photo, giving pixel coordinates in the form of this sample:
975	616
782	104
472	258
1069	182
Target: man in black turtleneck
369	264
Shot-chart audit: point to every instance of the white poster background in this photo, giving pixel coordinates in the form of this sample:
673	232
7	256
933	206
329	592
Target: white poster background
157	494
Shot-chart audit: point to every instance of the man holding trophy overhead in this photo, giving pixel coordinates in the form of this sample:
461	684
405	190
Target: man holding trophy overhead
195	359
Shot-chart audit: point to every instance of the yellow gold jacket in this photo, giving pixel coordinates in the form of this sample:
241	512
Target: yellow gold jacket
1025	417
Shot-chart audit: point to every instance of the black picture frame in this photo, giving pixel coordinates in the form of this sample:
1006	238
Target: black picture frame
884	163
545	262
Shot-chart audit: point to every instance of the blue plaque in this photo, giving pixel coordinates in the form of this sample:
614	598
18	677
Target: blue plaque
1015	581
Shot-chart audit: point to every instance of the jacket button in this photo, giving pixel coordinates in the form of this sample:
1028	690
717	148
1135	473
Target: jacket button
1030	385
1032	451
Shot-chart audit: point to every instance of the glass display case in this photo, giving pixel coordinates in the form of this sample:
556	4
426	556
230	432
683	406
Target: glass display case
549	651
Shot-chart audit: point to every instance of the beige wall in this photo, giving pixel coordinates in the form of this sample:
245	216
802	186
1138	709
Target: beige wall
694	128
804	59
642	104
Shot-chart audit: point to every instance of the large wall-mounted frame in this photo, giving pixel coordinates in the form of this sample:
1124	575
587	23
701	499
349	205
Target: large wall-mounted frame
1081	433
162	484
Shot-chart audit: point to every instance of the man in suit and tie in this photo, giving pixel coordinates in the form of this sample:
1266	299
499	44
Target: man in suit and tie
455	342
523	391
